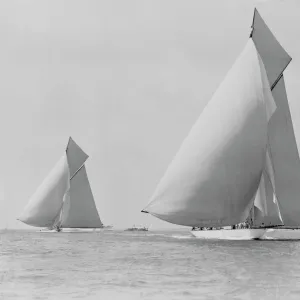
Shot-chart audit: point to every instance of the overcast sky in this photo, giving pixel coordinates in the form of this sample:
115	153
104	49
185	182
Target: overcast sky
127	80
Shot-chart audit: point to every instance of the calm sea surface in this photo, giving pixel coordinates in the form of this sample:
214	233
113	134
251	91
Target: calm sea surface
151	265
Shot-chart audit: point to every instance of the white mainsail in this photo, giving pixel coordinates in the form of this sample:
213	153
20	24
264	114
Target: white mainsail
237	163
80	210
45	204
216	173
65	198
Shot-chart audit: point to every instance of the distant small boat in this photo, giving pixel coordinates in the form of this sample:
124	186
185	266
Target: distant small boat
64	201
137	228
108	227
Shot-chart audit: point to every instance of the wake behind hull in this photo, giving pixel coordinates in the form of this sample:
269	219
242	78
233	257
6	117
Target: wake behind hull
229	234
281	234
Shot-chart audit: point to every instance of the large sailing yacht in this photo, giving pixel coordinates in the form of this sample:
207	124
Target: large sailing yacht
241	178
64	201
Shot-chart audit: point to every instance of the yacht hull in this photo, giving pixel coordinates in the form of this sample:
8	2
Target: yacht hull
72	230
81	229
46	231
229	234
281	234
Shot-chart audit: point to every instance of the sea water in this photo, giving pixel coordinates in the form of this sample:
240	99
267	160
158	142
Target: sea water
145	265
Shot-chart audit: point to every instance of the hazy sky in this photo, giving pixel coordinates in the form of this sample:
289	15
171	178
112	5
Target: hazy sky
127	80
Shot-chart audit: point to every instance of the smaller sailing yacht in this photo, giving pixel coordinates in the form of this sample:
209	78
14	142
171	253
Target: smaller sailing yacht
64	201
241	178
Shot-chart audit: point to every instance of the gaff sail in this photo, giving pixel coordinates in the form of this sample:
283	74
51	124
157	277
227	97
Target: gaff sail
79	210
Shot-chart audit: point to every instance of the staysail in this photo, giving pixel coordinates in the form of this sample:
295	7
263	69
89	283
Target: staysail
45	204
213	178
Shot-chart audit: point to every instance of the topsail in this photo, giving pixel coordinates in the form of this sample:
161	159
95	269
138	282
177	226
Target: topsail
274	57
76	157
233	163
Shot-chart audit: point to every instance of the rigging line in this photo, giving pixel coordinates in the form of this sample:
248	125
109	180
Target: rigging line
77	170
277	201
56	219
269	150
